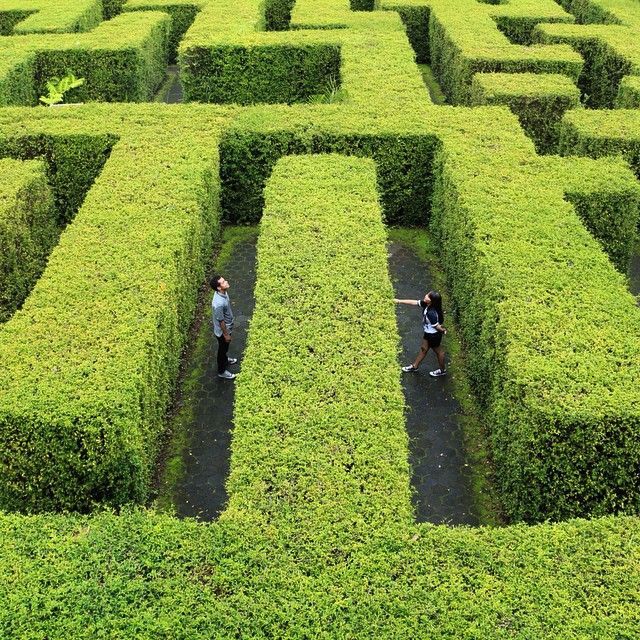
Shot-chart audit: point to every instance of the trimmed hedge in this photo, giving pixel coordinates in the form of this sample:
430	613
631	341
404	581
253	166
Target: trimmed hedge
539	101
225	59
461	38
559	381
113	576
27	230
122	60
602	133
89	364
42	16
182	12
319	443
610	52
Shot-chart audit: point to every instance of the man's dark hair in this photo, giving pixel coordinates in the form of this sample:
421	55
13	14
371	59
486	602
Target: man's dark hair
215	282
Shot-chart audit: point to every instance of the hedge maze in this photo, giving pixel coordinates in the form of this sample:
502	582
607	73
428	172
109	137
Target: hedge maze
312	119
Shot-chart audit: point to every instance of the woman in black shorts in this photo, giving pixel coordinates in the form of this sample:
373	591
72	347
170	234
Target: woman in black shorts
432	319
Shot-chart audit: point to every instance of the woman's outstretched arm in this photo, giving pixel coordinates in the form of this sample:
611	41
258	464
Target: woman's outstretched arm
414	302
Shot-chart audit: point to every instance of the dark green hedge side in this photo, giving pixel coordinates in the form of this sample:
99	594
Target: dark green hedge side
27	230
604	65
277	14
247	157
16	84
539	101
319	436
560	387
362	5
113	576
182	16
416	22
90	362
246	75
9	19
111	8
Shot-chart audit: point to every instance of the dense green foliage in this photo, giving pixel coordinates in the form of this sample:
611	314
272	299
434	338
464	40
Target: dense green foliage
89	364
144	575
42	16
121	60
539	101
27	230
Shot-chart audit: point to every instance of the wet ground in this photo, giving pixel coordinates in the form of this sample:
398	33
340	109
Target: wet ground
634	274
441	478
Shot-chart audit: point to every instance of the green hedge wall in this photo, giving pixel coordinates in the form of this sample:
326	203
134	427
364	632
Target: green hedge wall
72	163
182	16
602	133
90	362
539	101
629	93
142	574
248	155
41	16
525	276
121	60
27	230
605	62
317	436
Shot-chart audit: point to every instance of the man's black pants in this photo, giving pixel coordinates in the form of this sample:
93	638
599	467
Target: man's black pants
223	348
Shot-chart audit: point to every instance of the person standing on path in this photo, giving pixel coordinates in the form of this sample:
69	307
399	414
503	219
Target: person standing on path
432	320
222	325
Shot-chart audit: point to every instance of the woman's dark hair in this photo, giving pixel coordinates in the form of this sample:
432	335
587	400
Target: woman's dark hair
436	303
215	282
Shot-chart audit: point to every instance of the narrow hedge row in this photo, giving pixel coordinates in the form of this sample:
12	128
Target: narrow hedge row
319	441
539	101
121	60
182	12
224	58
551	331
89	363
42	16
111	576
27	230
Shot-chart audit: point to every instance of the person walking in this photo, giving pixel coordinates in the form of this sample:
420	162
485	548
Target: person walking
432	326
222	325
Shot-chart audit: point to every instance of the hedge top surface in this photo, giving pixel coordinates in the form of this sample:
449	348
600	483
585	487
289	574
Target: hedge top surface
530	85
45	16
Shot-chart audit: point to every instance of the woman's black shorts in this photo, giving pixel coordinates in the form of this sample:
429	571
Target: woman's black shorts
433	339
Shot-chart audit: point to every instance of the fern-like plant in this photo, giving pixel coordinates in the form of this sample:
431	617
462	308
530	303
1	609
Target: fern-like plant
57	87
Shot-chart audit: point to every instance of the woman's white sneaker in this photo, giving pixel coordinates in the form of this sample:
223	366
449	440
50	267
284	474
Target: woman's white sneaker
227	375
437	373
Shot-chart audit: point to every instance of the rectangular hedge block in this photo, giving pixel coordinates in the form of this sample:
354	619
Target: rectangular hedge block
319	408
539	100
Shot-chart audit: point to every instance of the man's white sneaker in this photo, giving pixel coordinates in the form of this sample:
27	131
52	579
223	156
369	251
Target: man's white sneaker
437	373
227	375
409	368
231	361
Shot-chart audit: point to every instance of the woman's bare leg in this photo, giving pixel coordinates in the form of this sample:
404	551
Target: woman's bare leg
440	355
424	347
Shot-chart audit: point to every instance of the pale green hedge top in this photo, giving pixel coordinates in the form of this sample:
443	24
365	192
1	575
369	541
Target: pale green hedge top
532	85
111	576
319	430
54	17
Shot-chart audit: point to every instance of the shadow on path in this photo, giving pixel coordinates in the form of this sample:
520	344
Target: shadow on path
201	493
634	274
441	477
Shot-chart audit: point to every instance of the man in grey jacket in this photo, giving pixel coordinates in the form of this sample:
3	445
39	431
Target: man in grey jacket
222	325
